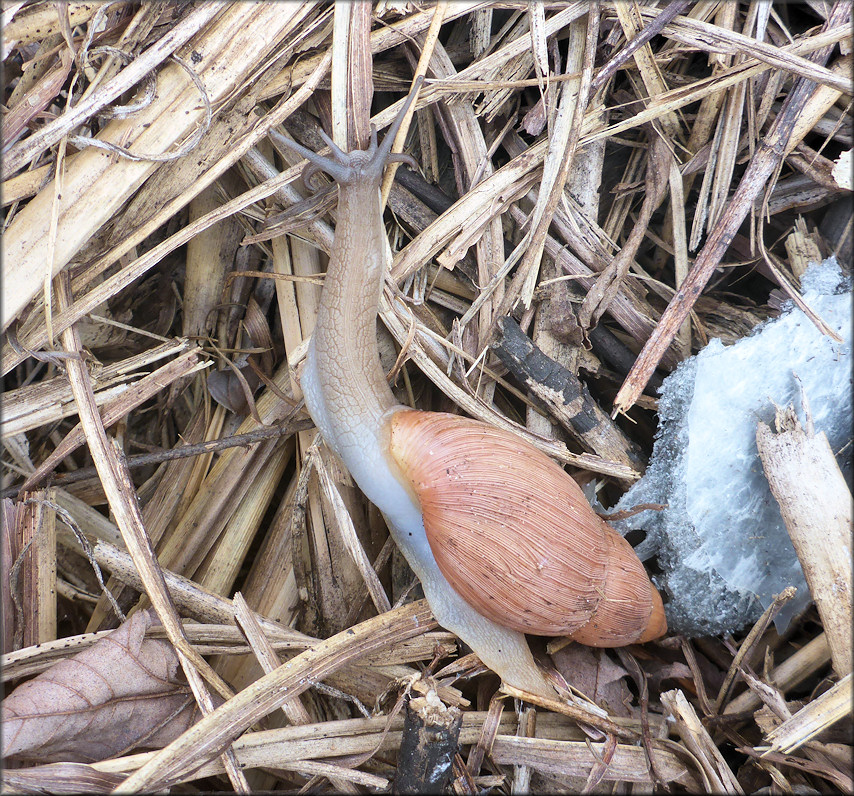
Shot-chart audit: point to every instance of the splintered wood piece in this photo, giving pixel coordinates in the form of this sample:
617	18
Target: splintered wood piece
821	713
37	544
699	742
430	741
796	668
816	506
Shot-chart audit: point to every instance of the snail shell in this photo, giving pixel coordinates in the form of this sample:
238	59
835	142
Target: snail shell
515	537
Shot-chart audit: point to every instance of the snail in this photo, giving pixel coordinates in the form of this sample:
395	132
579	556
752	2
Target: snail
501	537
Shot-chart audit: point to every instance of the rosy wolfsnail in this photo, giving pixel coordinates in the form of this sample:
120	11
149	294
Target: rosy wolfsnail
502	539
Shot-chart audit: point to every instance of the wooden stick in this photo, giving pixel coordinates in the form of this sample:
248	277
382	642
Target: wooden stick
816	506
565	395
430	740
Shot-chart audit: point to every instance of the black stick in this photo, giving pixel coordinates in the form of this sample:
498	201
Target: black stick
430	741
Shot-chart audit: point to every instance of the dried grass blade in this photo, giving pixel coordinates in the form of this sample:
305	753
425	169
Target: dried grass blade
120	494
350	737
214	731
563	140
294	710
222	564
109	287
681	96
769	155
350	538
706	36
37	579
18	157
575	759
818	715
95	186
118	407
797	667
39	21
575	712
35	101
700	743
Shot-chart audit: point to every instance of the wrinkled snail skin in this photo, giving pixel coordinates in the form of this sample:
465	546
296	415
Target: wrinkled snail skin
348	397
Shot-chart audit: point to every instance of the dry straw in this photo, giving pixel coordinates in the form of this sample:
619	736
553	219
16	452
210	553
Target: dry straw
625	180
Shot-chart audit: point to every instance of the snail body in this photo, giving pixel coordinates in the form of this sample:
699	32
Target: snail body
499	552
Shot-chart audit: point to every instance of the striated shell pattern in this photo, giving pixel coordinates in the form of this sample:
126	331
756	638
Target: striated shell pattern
514	535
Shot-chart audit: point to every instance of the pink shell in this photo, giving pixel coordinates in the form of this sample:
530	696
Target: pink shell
515	537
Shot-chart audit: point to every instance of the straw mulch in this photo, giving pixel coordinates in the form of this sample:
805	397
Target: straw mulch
624	180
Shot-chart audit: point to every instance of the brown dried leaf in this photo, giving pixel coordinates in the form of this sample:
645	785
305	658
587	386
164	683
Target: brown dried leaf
60	778
227	389
120	694
596	675
658	671
534	121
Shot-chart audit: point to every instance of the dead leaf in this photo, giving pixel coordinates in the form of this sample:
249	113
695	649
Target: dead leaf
58	778
657	671
227	389
122	693
596	675
534	121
